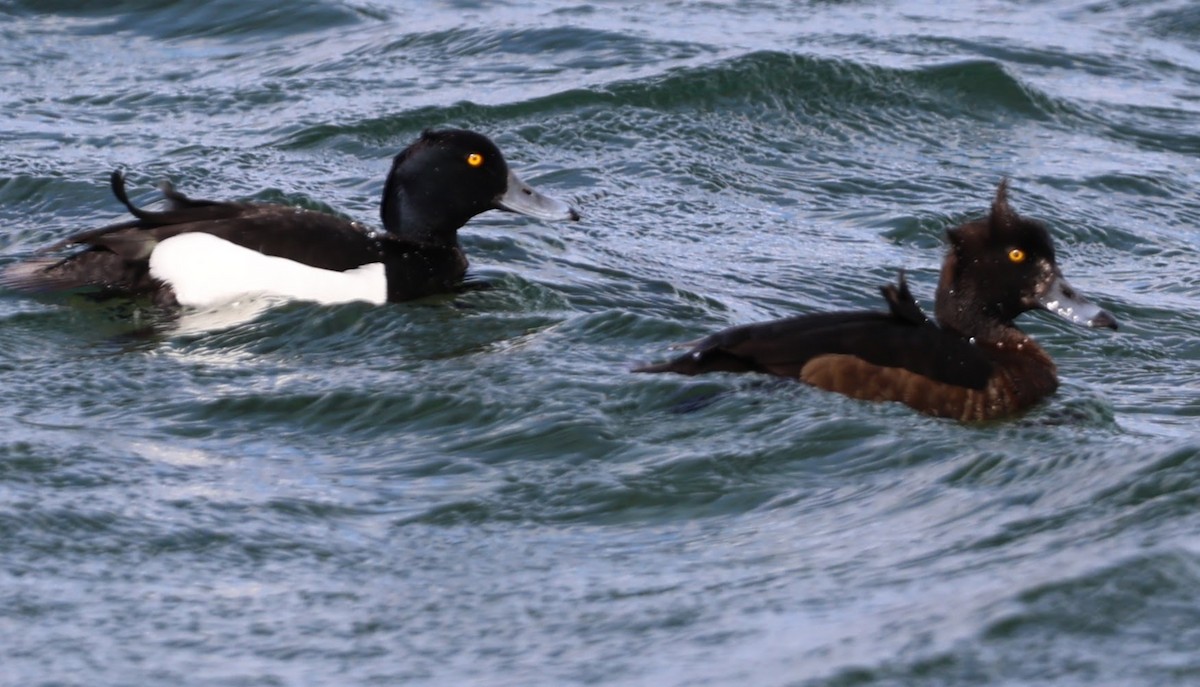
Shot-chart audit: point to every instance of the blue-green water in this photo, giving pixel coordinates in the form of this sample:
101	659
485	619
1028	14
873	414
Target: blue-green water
475	490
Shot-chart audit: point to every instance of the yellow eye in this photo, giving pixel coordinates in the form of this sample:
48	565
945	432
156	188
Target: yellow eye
474	159
1017	256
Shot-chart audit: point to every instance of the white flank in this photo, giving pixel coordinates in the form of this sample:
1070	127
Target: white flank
204	270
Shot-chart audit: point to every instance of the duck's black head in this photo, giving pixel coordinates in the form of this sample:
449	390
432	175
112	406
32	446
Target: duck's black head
1001	266
447	177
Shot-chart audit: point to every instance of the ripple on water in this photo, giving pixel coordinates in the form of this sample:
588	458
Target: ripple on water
476	485
225	20
1149	600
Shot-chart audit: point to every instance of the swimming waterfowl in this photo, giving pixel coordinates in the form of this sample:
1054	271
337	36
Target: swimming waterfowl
972	364
203	253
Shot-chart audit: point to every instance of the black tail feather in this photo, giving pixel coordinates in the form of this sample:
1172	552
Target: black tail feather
117	182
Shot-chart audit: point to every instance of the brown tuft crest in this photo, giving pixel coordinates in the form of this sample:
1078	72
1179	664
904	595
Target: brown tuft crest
1002	216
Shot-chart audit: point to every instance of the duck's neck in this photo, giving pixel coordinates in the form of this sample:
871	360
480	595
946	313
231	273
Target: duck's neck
959	309
1021	369
405	219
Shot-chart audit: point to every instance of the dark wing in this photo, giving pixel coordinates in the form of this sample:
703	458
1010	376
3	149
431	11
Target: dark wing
902	338
312	238
115	256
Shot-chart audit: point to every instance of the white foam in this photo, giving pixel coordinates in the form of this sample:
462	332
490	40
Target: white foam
204	270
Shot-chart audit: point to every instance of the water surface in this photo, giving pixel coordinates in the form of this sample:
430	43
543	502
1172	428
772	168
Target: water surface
474	490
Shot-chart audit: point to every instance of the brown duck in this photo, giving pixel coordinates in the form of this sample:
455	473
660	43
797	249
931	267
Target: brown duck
972	364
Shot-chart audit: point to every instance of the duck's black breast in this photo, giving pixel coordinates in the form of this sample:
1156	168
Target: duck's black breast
416	270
